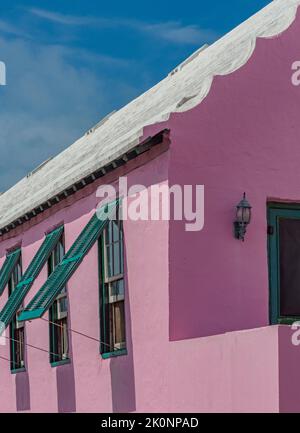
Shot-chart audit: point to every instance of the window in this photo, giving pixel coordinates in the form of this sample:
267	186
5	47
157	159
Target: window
58	279
112	314
7	268
14	302
58	313
16	329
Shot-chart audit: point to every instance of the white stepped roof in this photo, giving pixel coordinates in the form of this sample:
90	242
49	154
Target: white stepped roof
186	87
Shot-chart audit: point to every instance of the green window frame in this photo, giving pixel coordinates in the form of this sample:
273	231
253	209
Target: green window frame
7	268
45	297
112	290
277	212
16	329
58	313
17	297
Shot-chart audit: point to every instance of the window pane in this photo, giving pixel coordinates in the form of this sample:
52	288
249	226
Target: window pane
116	231
119	322
17	346
117	288
105	315
53	312
63	304
62	339
109	261
108	234
289	250
61	251
16	276
50	264
58	253
121	287
60	344
59	341
116	249
19	323
65	345
59	331
114	253
121	257
64	290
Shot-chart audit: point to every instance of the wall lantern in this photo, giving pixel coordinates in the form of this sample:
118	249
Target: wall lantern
243	217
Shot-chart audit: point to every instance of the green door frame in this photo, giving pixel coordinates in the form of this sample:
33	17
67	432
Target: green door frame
275	212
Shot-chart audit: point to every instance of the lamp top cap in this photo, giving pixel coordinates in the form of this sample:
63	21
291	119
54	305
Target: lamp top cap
244	203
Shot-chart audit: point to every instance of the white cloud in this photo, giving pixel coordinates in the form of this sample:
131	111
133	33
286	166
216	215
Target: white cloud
172	31
62	19
103	59
177	33
10	29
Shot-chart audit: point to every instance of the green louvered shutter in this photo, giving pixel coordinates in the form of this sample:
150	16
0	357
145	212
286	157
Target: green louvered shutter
7	268
72	259
15	300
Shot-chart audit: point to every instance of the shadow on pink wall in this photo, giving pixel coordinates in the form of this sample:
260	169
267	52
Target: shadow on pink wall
22	391
65	380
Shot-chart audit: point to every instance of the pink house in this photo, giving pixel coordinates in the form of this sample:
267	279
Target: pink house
140	315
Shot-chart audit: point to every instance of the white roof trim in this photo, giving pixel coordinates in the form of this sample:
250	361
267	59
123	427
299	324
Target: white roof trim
122	130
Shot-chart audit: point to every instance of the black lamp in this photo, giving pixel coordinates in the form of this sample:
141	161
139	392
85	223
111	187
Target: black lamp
243	218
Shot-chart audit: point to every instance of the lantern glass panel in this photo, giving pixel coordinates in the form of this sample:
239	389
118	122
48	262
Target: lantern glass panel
247	215
240	214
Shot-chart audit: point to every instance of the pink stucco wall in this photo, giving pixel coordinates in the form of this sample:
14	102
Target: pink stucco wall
90	383
193	298
243	137
219	373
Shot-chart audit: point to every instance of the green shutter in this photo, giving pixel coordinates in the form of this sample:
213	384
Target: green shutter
7	268
72	259
15	300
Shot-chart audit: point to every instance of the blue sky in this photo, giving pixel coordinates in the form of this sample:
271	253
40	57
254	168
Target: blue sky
71	62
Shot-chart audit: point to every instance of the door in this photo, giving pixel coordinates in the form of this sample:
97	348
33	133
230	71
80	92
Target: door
284	263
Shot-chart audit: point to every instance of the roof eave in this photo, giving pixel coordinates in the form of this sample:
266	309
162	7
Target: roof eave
131	154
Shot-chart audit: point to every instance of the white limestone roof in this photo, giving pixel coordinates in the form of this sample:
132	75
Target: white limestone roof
182	89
